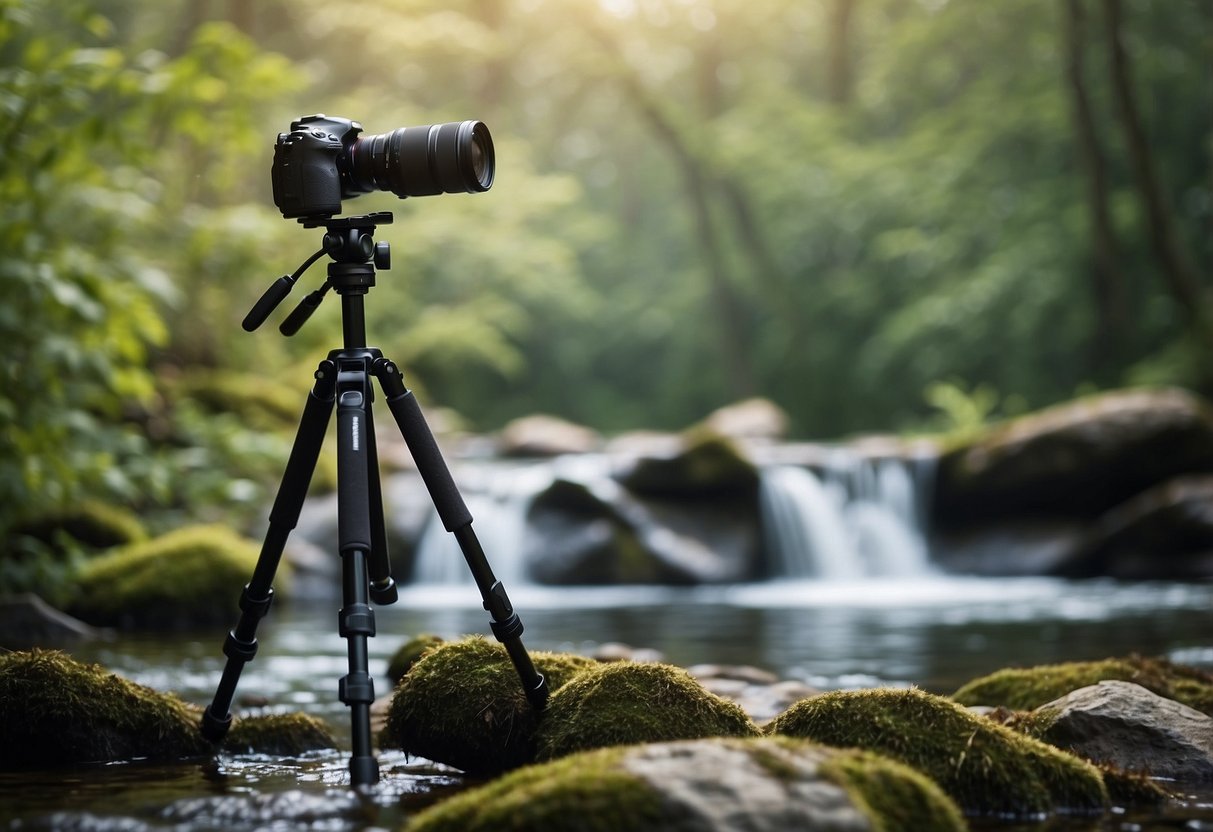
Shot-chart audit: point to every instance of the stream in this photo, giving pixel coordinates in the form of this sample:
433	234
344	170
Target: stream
932	631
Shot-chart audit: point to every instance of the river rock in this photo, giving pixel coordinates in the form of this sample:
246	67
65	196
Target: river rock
1131	728
1076	460
752	419
1165	532
703	462
759	784
541	435
600	533
28	621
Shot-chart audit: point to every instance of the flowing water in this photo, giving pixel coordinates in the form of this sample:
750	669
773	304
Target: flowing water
855	603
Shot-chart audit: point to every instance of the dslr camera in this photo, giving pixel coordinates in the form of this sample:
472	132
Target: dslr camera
323	160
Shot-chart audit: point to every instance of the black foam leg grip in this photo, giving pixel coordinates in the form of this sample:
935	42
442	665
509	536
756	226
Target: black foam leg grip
430	464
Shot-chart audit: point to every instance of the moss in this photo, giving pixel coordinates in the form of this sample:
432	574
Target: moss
462	705
409	654
261	405
93	523
623	703
708	463
55	711
584	793
895	797
985	767
188	577
280	734
597	791
1028	688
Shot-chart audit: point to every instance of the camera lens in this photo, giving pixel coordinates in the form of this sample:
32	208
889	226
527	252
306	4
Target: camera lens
456	157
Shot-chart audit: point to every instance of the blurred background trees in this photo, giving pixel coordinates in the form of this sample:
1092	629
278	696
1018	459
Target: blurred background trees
860	209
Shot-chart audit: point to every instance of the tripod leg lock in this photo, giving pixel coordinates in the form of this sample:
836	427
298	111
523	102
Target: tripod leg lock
357	688
356	620
234	648
509	629
256	607
215	728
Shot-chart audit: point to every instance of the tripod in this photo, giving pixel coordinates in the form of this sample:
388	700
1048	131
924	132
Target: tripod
343	379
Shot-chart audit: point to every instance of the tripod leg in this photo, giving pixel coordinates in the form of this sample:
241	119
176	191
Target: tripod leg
456	518
240	647
356	619
383	586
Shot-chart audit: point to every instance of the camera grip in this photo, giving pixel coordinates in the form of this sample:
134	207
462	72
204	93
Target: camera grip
272	297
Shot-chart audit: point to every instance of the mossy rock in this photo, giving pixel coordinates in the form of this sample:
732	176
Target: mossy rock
188	577
56	711
759	784
706	463
462	704
409	654
258	403
624	703
93	523
283	735
1025	689
986	768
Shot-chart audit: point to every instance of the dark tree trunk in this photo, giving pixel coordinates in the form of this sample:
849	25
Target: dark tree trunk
839	72
1108	280
1183	280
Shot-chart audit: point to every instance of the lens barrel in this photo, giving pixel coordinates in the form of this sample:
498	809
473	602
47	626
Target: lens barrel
456	157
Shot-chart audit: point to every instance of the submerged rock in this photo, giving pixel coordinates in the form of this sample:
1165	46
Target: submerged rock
1024	689
623	703
761	785
1127	726
187	577
287	735
462	705
55	711
986	768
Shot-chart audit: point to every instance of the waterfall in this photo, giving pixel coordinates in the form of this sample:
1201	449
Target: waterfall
852	518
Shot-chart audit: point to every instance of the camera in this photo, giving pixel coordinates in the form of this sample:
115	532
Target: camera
323	160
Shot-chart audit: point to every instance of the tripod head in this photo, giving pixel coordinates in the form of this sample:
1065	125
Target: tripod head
350	243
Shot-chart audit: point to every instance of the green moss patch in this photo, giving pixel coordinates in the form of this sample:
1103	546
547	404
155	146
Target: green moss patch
409	654
623	703
895	797
55	711
95	524
1025	689
188	577
985	767
462	704
287	735
755	783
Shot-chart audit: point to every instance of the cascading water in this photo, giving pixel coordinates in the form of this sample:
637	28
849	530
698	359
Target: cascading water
847	517
852	518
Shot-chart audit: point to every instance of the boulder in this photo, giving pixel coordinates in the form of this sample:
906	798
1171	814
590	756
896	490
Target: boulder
758	784
91	523
1075	461
1024	689
985	767
752	419
702	463
27	621
282	735
409	653
541	435
624	703
462	704
185	578
1126	726
1166	532
56	711
599	533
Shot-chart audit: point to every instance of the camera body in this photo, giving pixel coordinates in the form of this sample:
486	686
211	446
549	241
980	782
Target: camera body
323	160
306	175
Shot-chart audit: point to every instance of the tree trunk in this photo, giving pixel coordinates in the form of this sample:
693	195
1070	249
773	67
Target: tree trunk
839	72
1108	280
1183	281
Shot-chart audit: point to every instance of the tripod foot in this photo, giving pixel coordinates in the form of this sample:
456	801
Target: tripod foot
214	728
364	771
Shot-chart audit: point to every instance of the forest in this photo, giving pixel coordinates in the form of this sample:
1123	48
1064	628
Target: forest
883	215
